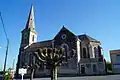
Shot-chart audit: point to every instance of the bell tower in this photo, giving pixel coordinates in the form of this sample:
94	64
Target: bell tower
29	35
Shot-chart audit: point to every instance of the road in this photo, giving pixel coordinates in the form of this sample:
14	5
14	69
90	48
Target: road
108	77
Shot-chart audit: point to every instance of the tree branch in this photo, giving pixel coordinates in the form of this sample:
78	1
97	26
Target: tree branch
39	58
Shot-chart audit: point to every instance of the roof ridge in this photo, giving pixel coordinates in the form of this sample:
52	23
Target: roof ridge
86	37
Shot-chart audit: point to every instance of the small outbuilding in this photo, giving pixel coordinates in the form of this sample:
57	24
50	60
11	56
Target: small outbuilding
115	60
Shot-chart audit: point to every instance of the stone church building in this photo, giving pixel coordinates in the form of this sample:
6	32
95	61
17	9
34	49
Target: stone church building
88	59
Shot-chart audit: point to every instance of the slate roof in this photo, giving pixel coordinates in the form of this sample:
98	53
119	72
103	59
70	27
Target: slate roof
41	44
48	43
86	37
115	51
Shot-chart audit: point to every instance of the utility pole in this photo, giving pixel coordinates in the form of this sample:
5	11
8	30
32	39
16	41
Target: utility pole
6	47
6	58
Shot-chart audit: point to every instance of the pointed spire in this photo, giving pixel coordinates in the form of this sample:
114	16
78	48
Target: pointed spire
30	22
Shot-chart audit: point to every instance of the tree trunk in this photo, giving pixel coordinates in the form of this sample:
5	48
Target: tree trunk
32	74
54	73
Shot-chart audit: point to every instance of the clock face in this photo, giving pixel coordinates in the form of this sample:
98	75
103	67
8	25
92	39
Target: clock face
63	36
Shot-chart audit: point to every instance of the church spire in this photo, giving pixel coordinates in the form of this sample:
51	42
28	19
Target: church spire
30	22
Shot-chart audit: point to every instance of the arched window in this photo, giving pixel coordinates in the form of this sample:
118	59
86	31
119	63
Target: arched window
99	51
84	53
41	66
33	38
88	54
66	52
95	51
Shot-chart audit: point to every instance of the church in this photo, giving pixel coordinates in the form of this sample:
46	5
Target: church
88	59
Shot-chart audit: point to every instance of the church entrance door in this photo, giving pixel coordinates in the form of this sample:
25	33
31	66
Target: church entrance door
82	69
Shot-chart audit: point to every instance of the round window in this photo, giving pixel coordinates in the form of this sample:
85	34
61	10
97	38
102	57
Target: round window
63	36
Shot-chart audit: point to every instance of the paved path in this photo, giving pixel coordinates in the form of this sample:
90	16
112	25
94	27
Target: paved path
108	77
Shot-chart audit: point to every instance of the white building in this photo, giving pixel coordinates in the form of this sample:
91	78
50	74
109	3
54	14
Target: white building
115	60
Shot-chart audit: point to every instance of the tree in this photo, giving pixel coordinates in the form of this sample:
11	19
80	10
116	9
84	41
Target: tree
109	66
52	58
32	66
7	75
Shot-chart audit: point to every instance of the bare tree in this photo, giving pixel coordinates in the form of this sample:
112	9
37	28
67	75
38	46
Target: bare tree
52	58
